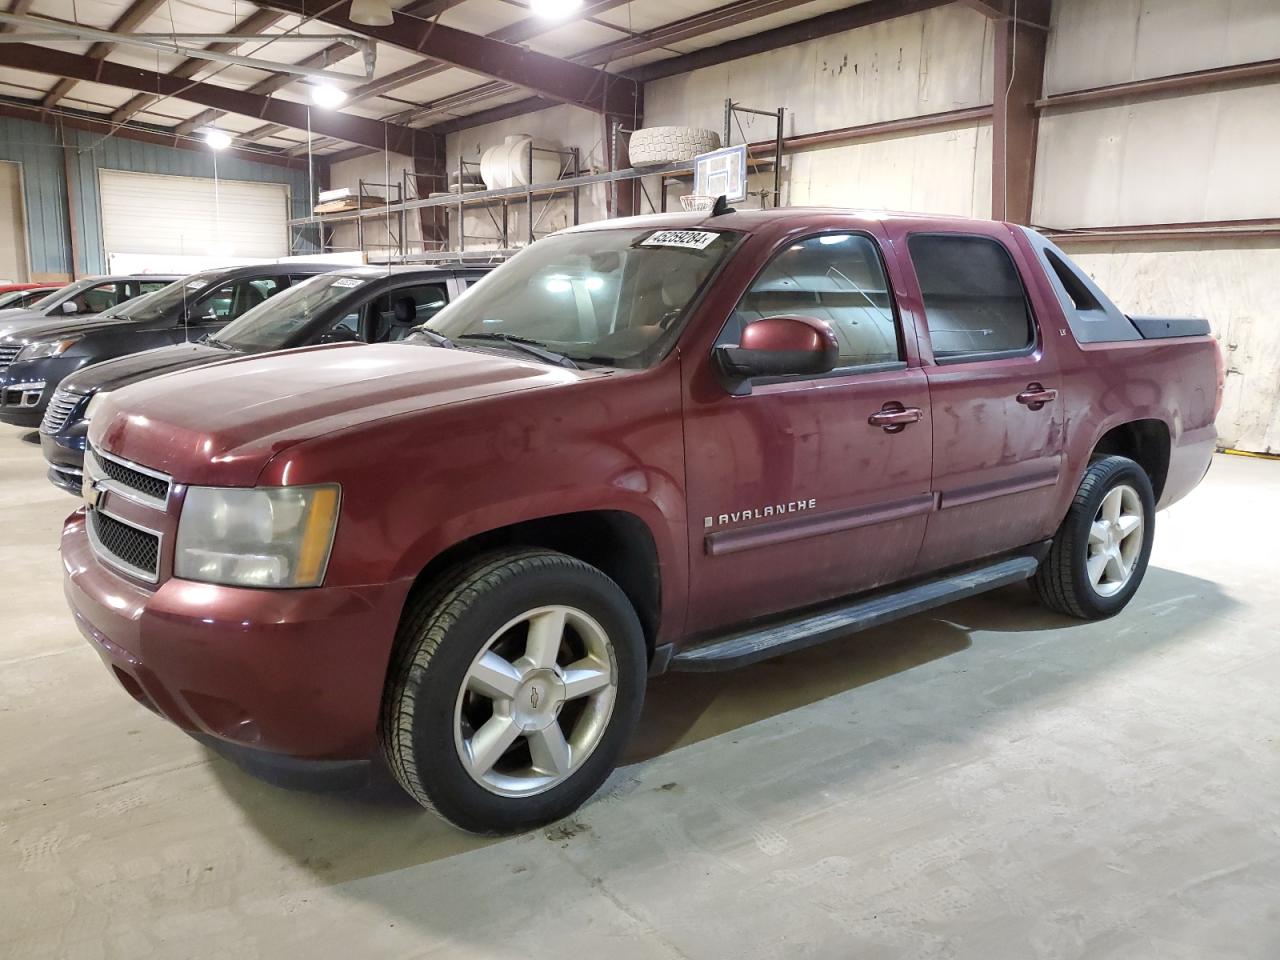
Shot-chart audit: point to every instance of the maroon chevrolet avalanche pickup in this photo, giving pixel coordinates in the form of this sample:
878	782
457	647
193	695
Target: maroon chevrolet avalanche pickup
676	443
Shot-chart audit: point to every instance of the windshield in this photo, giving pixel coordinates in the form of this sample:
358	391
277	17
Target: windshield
174	298
614	297
272	325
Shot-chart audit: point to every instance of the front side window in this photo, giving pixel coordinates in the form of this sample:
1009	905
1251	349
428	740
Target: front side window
616	297
974	302
397	312
837	278
151	286
99	298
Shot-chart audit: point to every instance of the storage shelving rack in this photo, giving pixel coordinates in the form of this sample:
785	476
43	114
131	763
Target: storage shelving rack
572	181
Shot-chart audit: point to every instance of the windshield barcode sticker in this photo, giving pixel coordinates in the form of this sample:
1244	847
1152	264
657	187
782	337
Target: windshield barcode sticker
197	285
685	239
347	282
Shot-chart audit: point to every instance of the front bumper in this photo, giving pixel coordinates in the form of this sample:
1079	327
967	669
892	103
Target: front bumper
293	672
22	402
64	453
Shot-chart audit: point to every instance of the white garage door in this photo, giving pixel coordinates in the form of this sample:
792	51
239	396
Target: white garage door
153	214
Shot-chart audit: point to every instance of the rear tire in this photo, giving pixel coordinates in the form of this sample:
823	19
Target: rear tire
517	683
1100	553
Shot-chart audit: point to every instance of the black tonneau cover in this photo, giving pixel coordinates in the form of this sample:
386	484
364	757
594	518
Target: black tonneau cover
1163	328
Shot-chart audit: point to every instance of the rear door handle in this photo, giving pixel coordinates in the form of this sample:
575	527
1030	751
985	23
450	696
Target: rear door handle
894	417
1036	396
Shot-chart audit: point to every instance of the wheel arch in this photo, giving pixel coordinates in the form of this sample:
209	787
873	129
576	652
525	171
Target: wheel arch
1147	442
617	542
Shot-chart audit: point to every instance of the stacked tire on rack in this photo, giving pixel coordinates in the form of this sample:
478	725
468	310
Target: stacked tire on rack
662	146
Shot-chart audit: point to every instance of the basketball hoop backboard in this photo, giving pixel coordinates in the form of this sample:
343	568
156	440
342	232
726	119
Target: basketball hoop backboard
722	173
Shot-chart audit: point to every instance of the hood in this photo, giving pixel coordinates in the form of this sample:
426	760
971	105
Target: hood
114	374
222	423
14	315
33	327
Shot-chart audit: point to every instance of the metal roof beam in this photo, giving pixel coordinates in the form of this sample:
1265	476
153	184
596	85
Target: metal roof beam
132	18
557	79
370	133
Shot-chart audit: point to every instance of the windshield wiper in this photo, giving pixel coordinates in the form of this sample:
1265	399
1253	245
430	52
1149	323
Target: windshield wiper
438	339
213	341
532	347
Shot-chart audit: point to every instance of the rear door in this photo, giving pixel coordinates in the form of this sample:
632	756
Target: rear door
998	427
796	495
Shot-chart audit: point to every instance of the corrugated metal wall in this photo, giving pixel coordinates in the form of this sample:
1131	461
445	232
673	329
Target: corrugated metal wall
38	147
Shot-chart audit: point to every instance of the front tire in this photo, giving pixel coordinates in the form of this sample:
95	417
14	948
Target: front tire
1100	553
516	685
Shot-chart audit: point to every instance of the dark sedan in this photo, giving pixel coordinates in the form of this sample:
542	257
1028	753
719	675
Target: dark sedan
36	357
365	304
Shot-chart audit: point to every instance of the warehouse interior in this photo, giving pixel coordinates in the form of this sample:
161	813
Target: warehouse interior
984	779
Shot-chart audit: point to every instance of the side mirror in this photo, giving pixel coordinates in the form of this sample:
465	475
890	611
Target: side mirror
69	306
778	347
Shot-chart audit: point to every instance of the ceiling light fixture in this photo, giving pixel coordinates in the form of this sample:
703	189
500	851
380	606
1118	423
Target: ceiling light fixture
372	13
327	96
217	139
554	8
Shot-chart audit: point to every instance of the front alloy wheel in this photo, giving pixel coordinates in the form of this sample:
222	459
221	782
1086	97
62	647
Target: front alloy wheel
516	683
526	719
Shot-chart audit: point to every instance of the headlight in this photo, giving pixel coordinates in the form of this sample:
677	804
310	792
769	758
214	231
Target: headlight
259	537
94	403
46	348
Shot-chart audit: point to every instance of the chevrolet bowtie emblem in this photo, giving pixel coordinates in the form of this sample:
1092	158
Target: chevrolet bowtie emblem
533	697
91	493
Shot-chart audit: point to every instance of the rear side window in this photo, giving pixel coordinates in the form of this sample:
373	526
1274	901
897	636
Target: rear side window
398	312
974	302
834	277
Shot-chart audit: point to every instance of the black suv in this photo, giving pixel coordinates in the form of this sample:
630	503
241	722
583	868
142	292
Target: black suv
36	357
361	304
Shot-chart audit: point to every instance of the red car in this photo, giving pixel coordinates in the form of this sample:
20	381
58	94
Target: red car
673	443
19	296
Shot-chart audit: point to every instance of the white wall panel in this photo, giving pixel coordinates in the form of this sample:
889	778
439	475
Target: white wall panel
1232	283
1208	156
1099	42
378	169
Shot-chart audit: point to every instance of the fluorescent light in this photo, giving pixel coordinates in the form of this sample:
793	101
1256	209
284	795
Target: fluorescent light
217	139
327	96
833	239
372	13
554	8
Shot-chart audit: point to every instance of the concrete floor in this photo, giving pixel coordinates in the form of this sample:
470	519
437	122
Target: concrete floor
990	782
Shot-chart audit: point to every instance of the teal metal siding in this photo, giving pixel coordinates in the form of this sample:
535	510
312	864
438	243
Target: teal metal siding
38	148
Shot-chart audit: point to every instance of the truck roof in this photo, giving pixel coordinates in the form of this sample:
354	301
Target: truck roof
749	220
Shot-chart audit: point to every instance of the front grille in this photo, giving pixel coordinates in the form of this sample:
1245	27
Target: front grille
157	488
60	408
7	352
137	550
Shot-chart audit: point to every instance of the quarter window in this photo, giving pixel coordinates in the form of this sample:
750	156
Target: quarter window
834	277
973	299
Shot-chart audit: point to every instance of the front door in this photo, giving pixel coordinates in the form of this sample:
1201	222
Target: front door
795	496
998	427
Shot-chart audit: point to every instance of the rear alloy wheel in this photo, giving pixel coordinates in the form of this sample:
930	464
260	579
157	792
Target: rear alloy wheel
516	685
1099	554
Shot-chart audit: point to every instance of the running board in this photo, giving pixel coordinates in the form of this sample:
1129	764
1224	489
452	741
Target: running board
764	643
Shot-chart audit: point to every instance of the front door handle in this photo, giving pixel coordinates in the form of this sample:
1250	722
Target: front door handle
1036	396
894	417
